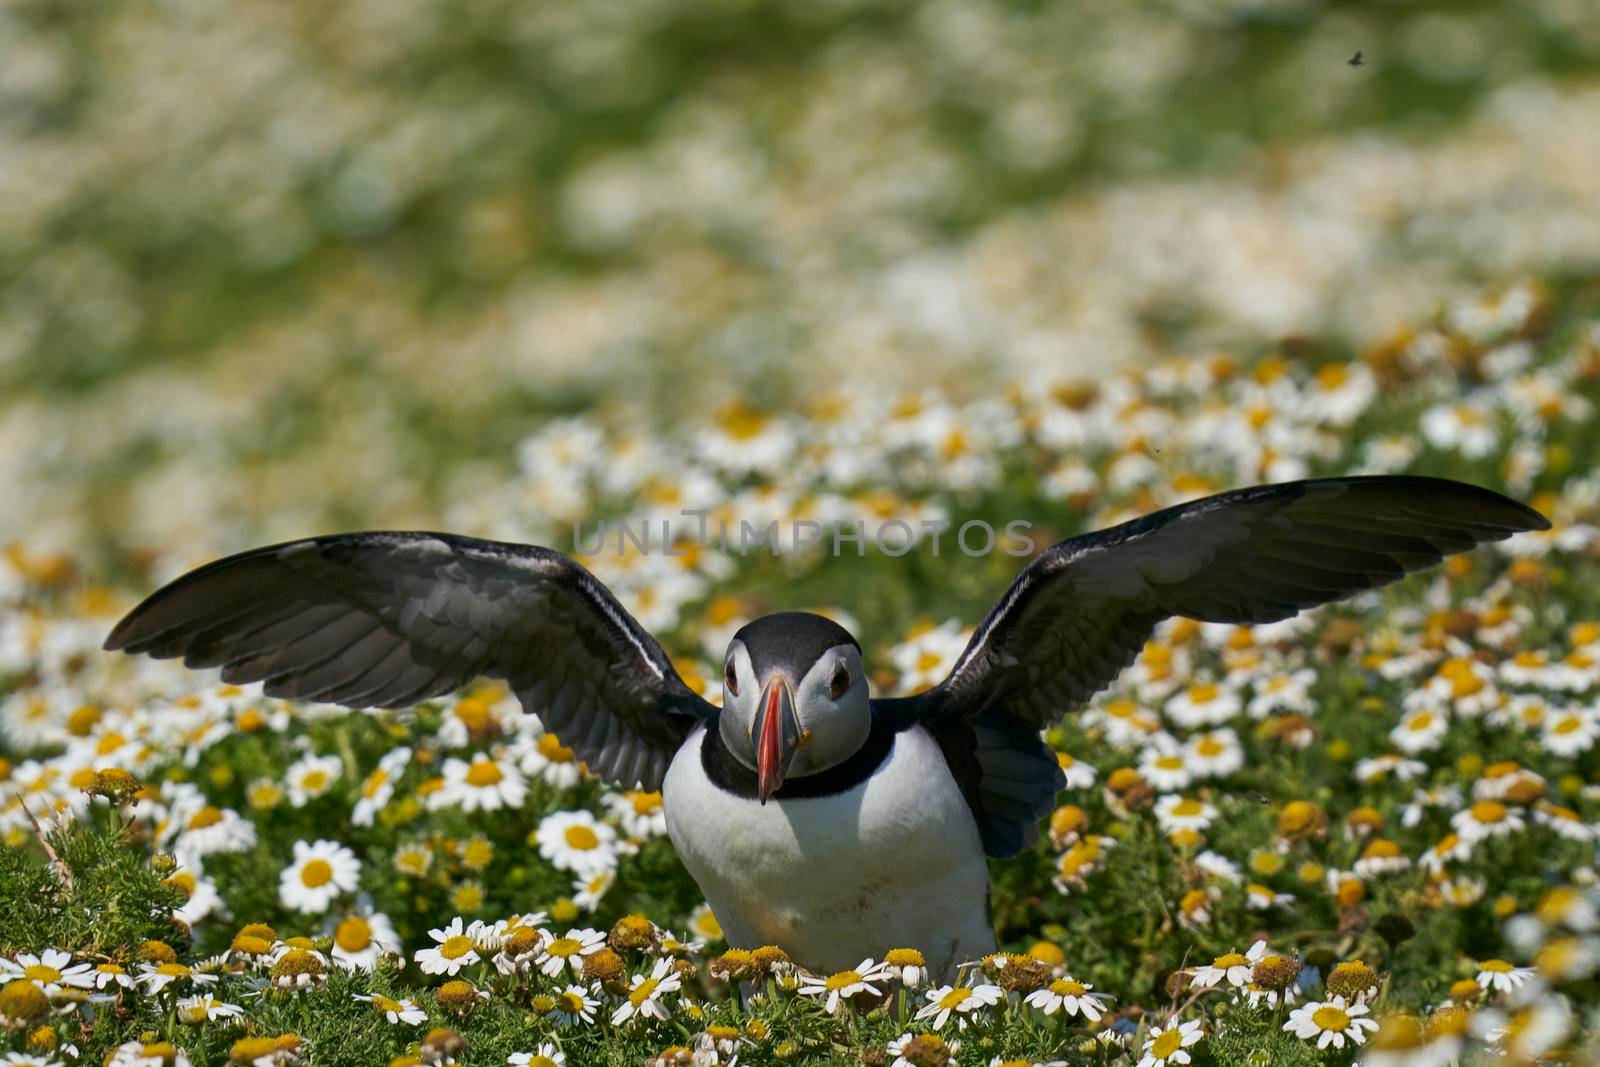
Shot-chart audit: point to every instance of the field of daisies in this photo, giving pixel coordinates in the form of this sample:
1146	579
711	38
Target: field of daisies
1364	834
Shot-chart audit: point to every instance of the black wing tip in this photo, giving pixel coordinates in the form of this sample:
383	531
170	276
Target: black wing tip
1514	515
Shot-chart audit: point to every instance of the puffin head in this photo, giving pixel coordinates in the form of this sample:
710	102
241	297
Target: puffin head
794	697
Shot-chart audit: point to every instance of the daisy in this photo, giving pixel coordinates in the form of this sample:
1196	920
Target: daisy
455	949
1570	732
1330	1022
110	974
319	873
548	1055
703	924
377	789
1283	692
573	1005
911	1050
1167	1045
1468	428
147	1054
588	892
1500	976
544	756
841	986
639	812
1207	704
1214	755
1260	898
960	1000
359	941
1183	813
556	953
1485	819
52	971
576	841
1381	856
1564	822
484	784
157	976
310	777
1070	997
1078	774
926	656
1421	730
644	994
207	831
905	965
394	1010
1233	968
1165	768
203	1008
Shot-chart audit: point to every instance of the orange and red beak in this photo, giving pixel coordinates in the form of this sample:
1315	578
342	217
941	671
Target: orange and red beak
776	732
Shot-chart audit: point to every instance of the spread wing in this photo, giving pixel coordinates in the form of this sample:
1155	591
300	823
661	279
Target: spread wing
390	619
1081	612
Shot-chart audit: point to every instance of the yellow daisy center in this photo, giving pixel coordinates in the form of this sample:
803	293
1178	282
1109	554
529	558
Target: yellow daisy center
375	781
1328	1017
842	980
1210	746
42	973
1489	811
354	934
1166	1043
551	748
1203	694
1232	959
1568	725
563	947
455	947
643	991
383	1003
570	1003
645	803
955	998
581	837
1170	763
484	773
1420	721
1186	808
316	873
314	781
1066	987
1495	966
206	816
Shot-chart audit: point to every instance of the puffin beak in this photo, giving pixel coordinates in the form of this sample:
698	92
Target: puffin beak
777	736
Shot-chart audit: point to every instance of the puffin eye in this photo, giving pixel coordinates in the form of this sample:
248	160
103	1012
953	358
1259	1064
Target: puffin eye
840	682
730	680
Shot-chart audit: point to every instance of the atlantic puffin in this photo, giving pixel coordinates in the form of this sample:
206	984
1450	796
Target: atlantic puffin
814	816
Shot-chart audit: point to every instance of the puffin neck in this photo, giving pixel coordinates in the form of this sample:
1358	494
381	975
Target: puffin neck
728	774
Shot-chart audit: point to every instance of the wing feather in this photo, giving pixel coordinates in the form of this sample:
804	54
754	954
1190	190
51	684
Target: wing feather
392	618
1081	612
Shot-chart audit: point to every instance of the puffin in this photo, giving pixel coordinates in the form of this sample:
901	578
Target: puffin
813	815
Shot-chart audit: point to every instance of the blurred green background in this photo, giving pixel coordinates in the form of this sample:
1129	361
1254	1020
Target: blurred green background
274	266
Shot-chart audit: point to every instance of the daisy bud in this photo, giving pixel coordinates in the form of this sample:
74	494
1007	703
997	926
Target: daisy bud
1353	980
770	959
442	1044
1302	819
457	995
1018	974
299	968
43	1039
927	1050
115	784
23	1002
1449	1021
733	965
756	1030
634	933
687	971
786	1050
1275	972
157	952
605	966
